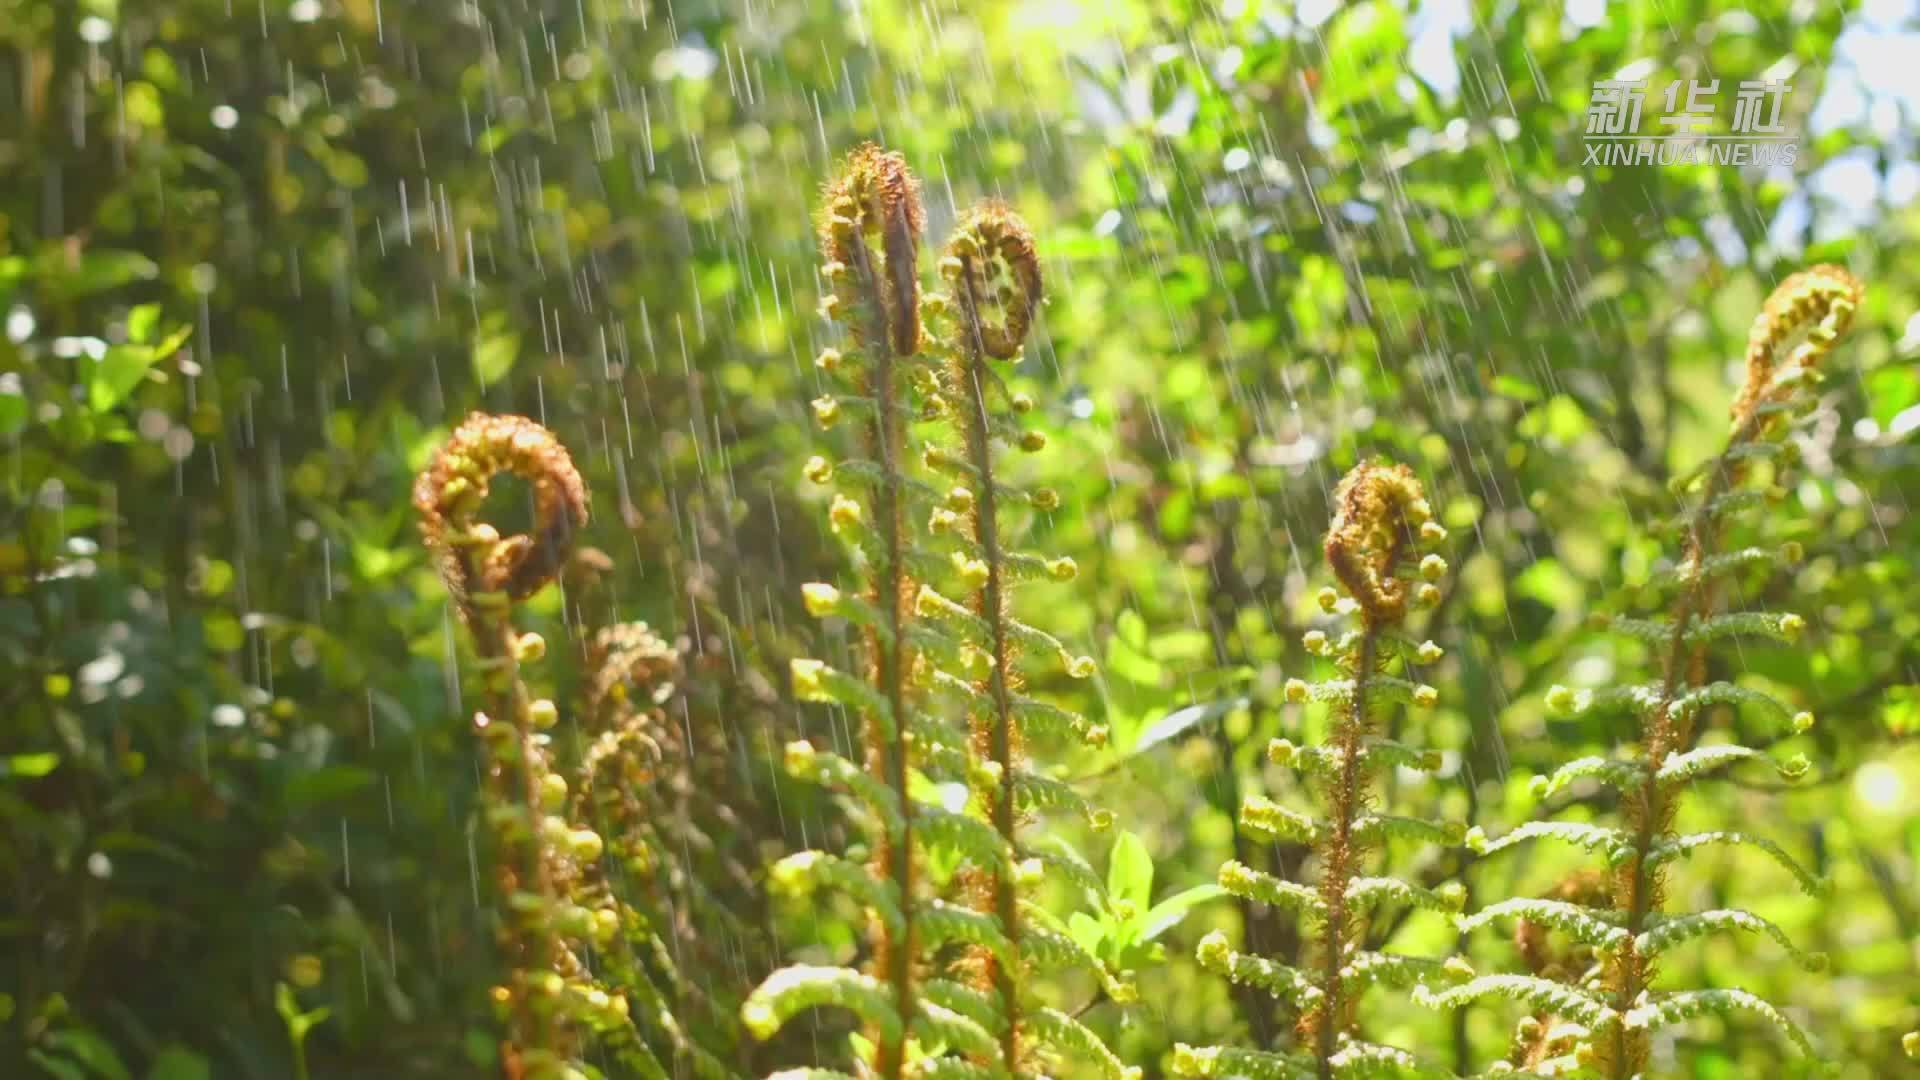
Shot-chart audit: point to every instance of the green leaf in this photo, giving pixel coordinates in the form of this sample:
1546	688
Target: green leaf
32	765
91	1051
1169	913
1180	721
117	373
142	321
1516	388
493	356
1130	871
13	407
175	1063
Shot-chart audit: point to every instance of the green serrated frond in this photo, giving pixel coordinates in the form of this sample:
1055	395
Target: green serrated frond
1611	843
799	874
1606	700
931	604
940	923
1377	827
1650	631
1668	850
951	1068
1671	1008
1734	502
1668	931
1620	775
792	990
1244	881
1701	760
830	770
1364	892
1368	968
1592	926
1071	868
1071	1038
971	1002
1037	792
1233	1063
1725	693
1271	821
1543	995
959	834
1286	983
1045	720
1785	627
1689	573
958	1032
1051	950
816	681
1357	1060
1375	754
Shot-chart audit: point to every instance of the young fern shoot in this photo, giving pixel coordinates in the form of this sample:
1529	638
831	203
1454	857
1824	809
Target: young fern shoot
921	1018
1381	523
876	291
538	856
1618	1010
994	276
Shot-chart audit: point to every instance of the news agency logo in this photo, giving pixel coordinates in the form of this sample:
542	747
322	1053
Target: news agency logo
1688	113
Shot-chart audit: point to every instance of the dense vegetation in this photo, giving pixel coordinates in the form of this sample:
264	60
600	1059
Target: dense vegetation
566	537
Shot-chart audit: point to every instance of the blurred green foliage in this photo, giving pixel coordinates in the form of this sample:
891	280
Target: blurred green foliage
257	256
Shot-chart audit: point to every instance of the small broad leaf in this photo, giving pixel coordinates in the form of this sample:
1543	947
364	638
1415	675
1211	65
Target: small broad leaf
493	356
32	765
142	321
92	1051
1168	913
1086	931
117	373
1180	721
175	1063
1129	871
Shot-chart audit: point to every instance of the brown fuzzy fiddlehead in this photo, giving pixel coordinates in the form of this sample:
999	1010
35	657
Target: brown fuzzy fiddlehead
473	557
994	274
486	573
1380	525
1381	515
875	194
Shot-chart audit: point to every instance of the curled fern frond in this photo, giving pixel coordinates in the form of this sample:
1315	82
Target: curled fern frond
473	556
875	193
1820	300
1631	930
1381	514
991	267
1377	547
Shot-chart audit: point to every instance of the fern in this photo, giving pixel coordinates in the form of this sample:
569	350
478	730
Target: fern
1382	521
1618	1008
948	988
544	862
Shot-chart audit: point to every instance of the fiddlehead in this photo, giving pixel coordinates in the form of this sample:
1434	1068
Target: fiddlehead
1382	522
487	573
876	293
1620	1008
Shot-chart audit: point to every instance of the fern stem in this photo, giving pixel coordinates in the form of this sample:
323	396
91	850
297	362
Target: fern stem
1651	805
891	759
1002	734
1346	797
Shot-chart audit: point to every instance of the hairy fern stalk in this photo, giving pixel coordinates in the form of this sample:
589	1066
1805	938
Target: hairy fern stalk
945	992
582	961
1607	1018
1382	521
